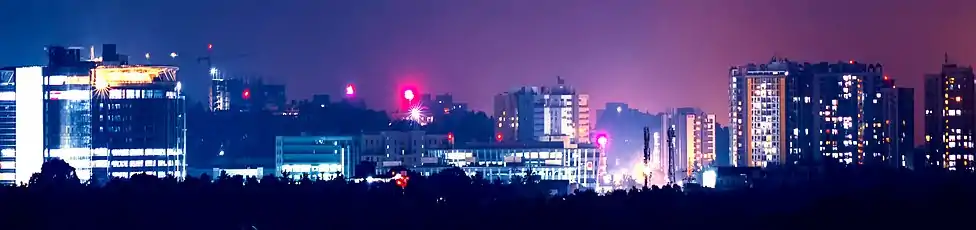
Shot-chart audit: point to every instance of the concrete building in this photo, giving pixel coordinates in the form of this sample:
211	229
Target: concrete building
393	148
898	106
325	157
318	157
441	104
950	113
772	113
245	95
543	114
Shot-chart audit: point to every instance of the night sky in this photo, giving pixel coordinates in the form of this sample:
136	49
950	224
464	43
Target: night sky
651	54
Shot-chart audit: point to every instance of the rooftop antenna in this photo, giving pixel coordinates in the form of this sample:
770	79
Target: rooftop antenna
671	154
559	80
946	57
647	155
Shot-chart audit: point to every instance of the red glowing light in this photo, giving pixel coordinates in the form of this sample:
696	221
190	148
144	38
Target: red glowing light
408	94
450	137
886	77
247	94
209	46
401	180
350	90
602	141
498	137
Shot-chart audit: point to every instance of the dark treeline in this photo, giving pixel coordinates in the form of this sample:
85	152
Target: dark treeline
848	198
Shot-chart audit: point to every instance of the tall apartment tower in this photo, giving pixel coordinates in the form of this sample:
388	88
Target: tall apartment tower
849	99
771	114
898	107
554	113
950	110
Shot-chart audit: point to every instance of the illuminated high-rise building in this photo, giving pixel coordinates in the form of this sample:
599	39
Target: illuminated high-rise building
771	116
950	113
104	117
553	113
849	99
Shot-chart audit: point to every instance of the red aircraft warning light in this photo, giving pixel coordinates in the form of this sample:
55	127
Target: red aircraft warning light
350	90
246	94
602	141
450	137
408	94
498	137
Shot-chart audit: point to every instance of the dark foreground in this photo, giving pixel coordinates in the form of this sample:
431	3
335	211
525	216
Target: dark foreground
844	199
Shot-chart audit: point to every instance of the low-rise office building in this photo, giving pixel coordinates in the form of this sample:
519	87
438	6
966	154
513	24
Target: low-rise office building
563	161
318	157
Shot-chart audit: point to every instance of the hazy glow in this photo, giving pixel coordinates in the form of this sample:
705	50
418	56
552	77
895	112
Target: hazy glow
602	141
418	114
350	90
415	113
709	178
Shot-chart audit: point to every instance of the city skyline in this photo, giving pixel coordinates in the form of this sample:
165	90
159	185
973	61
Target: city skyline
374	47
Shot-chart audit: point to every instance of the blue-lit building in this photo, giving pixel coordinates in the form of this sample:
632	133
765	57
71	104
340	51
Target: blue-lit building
503	161
318	157
104	117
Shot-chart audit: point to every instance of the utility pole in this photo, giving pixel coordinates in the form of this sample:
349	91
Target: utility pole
671	153
647	155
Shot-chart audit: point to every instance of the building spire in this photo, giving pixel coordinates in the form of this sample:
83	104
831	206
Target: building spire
946	58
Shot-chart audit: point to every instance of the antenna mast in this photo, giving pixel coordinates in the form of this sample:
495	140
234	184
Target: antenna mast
671	153
647	155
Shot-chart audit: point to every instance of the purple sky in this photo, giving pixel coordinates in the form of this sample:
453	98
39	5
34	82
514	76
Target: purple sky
651	54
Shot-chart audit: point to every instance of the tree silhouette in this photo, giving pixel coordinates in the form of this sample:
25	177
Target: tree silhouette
55	172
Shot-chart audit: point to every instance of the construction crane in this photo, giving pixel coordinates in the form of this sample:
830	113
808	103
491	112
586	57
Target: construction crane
209	59
218	88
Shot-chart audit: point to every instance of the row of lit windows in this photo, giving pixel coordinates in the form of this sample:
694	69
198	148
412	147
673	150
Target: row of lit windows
953	157
308	168
136	163
151	173
140	94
